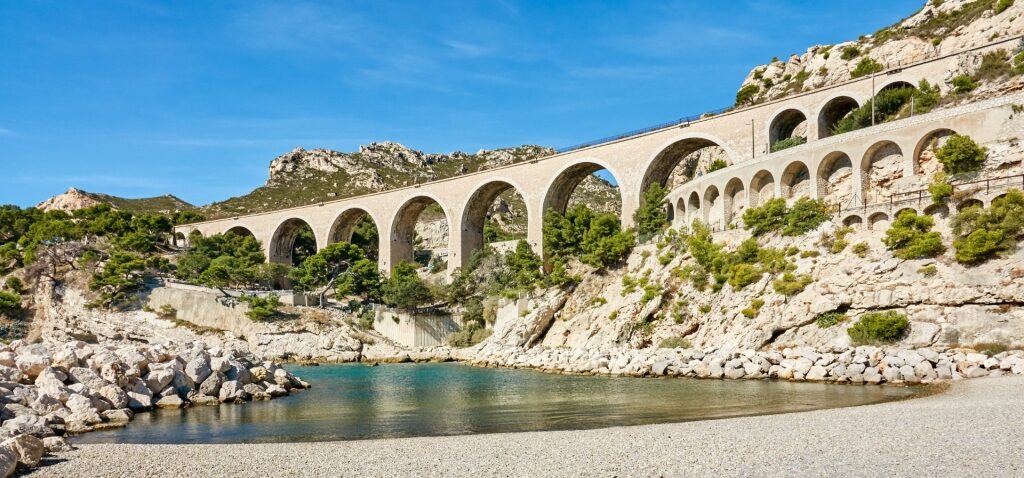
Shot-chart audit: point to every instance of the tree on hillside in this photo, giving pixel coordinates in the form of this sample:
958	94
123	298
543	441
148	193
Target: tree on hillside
651	217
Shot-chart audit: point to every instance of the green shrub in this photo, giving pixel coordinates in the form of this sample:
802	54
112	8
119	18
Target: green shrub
961	154
963	84
828	319
747	94
940	188
993	348
981	234
888	104
14	284
809	253
929	270
788	143
754	310
716	164
878	328
679	342
911	237
704	308
405	289
861	249
837	243
596	238
9	302
1018	63
261	308
850	52
805	216
790	284
742	275
1002	5
865	67
771	216
469	335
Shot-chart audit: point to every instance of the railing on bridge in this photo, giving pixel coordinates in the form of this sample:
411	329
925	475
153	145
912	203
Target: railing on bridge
962	190
637	132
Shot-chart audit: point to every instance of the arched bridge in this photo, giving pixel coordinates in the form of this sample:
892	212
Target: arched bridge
638	161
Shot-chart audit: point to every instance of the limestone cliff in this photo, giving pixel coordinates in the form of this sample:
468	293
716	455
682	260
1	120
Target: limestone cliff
940	28
74	199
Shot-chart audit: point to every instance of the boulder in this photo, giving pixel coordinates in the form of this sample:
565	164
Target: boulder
8	460
28	449
198	369
170	401
31	424
56	445
817	373
231	391
157	380
117	397
32	365
120	415
211	386
115	372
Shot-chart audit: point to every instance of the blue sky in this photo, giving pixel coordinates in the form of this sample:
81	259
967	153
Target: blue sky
138	98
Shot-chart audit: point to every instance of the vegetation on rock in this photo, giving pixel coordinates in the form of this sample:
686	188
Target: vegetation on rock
805	216
878	328
981	234
961	154
911	237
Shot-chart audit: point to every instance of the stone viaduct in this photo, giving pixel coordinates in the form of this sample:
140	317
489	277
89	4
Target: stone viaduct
639	160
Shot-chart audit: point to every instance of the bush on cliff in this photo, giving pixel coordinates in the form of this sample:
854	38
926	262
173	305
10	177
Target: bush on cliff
940	188
911	237
961	154
805	216
9	302
261	308
981	234
878	328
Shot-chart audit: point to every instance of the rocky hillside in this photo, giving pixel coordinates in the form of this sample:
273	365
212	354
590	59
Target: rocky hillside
74	199
941	27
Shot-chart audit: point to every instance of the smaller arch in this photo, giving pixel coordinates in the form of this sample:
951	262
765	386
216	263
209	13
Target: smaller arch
925	162
901	211
895	84
881	166
835	177
180	240
878	221
710	207
735	199
832	112
1001	196
853	221
796	180
560	189
937	210
762	188
969	203
681	211
788	123
693	206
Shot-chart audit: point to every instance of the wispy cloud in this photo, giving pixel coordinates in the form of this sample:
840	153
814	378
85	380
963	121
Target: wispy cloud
303	26
7	132
469	50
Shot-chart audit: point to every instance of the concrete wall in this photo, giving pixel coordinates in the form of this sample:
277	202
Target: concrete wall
204	308
635	162
415	330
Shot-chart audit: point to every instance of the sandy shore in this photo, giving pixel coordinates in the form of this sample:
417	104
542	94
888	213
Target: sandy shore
976	428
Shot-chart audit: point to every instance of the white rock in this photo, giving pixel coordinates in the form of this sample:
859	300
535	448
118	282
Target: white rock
28	449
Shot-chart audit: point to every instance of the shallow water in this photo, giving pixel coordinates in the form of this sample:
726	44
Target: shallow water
358	401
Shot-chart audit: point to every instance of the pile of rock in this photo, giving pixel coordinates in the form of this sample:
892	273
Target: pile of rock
49	390
864	364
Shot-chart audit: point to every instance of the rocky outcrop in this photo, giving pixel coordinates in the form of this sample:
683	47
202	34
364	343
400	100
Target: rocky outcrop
71	200
57	389
941	27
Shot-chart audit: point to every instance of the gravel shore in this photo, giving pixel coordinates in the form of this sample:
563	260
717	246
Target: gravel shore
972	429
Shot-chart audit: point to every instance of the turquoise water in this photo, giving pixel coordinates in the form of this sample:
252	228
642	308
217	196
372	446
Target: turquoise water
357	402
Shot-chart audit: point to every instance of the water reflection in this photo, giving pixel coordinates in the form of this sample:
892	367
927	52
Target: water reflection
356	401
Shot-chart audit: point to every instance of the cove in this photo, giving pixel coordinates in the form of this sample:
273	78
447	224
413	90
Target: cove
405	400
